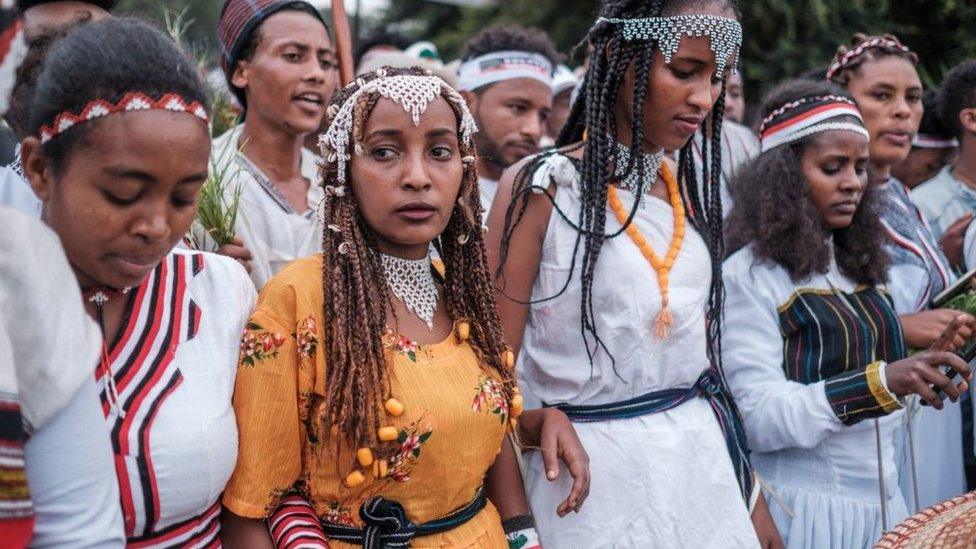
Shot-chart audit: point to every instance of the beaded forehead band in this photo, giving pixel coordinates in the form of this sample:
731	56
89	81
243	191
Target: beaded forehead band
808	116
877	42
933	141
724	33
134	101
412	92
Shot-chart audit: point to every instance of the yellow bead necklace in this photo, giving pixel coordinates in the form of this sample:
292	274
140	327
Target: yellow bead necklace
661	266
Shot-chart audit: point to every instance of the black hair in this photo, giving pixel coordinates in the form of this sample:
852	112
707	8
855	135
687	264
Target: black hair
250	41
932	123
958	93
22	96
106	60
814	73
380	37
511	37
773	210
593	112
106	5
844	74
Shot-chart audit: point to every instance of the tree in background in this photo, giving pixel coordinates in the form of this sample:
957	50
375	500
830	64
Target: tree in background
783	38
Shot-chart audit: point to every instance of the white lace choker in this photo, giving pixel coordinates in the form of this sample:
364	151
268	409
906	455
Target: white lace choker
631	181
412	281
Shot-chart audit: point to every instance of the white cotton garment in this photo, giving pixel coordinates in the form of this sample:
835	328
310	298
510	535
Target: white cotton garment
487	188
174	364
49	349
739	146
659	480
16	193
944	199
274	236
823	472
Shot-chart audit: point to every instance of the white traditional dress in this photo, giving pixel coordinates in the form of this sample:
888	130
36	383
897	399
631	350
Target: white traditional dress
488	188
944	199
739	146
16	192
658	480
806	363
270	227
174	363
48	396
917	274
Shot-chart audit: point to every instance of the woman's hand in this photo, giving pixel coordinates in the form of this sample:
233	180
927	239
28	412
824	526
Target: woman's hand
920	372
954	238
762	522
551	431
922	330
236	250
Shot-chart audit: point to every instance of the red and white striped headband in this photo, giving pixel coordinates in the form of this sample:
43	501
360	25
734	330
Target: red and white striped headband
808	116
877	41
133	101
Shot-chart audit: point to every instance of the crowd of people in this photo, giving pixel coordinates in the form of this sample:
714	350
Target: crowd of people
495	302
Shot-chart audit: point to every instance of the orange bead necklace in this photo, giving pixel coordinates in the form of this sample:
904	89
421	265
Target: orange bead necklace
661	266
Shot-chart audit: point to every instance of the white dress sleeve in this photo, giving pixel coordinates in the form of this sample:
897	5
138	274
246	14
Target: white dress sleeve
72	479
777	413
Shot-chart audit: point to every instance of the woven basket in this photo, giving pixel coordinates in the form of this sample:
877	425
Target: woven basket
950	524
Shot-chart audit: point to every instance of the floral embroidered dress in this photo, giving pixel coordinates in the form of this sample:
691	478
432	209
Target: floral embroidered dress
451	429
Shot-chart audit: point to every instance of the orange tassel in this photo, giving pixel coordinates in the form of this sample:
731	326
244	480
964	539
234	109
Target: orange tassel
662	267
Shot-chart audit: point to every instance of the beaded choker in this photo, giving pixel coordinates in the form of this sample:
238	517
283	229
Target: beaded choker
725	34
647	169
412	281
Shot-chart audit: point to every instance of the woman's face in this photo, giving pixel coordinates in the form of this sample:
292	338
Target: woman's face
680	94
889	95
834	164
407	179
126	194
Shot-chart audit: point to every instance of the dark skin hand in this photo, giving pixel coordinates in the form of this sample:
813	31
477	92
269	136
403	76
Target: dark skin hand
237	250
921	372
762	522
924	329
953	238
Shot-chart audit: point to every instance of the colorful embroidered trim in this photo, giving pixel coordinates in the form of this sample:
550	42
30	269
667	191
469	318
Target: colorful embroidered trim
885	399
134	101
808	116
877	41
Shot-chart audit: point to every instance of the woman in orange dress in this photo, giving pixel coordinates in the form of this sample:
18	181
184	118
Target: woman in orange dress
374	383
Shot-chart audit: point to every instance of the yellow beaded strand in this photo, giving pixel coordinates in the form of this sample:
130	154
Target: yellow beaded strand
661	266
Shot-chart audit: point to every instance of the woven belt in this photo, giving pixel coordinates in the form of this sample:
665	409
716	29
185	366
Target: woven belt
386	526
708	386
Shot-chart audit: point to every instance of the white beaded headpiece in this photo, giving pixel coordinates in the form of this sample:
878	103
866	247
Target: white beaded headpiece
725	34
412	92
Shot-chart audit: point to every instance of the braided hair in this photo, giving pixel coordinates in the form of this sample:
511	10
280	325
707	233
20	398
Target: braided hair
357	298
891	47
593	112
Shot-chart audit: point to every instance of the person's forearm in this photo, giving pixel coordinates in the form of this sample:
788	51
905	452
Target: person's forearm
237	531
504	484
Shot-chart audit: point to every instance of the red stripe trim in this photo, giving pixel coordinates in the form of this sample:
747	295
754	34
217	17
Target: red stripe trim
156	323
812	112
150	470
208	518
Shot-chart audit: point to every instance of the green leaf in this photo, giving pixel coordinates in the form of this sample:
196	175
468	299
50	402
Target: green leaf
402	437
425	436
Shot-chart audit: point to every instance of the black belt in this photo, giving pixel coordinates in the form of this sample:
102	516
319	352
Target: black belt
386	526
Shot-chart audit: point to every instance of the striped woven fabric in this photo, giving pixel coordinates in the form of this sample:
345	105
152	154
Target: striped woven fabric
841	338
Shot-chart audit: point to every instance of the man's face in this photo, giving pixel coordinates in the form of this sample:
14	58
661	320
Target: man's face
57	15
511	117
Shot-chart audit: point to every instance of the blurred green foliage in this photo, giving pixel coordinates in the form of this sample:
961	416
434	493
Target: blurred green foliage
784	38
